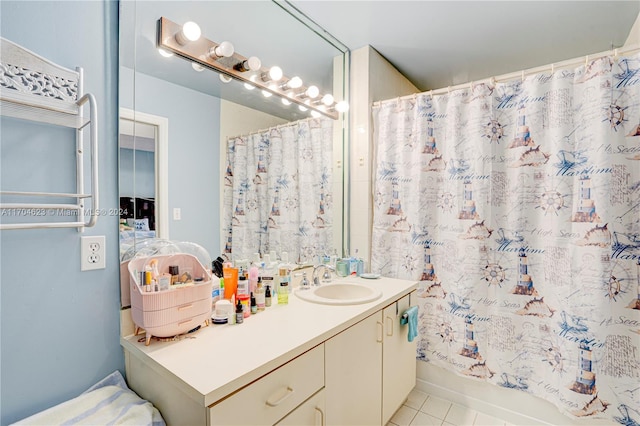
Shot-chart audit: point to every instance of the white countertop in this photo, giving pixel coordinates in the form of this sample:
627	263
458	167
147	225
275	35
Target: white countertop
217	360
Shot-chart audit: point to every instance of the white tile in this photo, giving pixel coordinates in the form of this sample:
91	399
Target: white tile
436	407
416	398
403	416
487	420
460	415
422	419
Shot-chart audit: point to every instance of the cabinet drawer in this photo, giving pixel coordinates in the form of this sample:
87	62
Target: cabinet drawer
270	398
309	413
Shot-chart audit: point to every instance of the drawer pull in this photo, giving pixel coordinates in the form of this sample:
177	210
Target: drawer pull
389	326
185	322
380	332
281	399
182	308
321	413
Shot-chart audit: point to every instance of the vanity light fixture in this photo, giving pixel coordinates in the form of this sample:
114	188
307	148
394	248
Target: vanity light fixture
186	41
251	64
223	50
190	31
293	83
274	74
342	106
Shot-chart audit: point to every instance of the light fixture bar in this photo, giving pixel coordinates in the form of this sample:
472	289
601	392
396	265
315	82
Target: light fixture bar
198	51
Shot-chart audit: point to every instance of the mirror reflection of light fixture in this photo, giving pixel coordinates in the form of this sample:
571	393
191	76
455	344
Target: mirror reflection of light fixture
327	99
342	106
190	32
225	78
223	50
222	58
165	53
251	64
197	67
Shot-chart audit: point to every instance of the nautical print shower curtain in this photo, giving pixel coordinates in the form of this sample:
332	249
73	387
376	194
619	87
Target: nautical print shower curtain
517	207
278	191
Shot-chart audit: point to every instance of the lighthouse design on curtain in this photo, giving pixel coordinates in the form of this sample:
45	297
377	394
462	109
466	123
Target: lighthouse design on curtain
516	206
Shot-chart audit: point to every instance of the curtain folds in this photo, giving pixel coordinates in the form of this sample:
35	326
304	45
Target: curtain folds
517	207
278	191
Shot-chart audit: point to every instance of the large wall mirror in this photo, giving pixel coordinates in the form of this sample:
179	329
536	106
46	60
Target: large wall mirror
175	120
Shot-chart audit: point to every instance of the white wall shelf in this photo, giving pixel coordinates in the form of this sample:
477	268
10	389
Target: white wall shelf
36	89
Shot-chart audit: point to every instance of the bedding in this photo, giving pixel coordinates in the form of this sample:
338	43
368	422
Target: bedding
108	402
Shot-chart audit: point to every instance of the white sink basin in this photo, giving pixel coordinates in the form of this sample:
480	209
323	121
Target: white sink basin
339	293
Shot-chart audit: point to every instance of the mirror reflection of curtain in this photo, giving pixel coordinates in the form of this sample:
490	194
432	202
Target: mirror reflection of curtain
278	191
517	207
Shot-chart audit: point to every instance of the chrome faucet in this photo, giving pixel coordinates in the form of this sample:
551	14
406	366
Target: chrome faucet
326	276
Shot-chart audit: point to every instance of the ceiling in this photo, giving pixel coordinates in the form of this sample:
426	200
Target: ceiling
436	44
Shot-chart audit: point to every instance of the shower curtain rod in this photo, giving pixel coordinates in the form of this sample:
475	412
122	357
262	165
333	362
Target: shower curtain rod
255	132
519	74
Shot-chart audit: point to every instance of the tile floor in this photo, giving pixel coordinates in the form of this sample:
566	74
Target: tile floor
422	409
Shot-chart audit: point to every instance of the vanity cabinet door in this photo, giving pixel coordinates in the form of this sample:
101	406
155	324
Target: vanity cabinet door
353	382
399	359
311	412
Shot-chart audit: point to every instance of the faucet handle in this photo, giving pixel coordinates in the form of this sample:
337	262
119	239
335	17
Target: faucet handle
304	283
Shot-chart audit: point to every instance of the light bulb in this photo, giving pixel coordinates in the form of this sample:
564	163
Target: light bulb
224	49
225	78
274	74
266	94
165	53
190	32
342	106
327	100
285	101
315	114
251	64
197	67
312	92
302	108
294	83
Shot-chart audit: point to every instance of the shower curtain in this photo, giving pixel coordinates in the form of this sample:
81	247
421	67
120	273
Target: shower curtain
517	207
278	191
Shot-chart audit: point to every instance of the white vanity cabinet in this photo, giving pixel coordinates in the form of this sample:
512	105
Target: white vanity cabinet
370	368
300	364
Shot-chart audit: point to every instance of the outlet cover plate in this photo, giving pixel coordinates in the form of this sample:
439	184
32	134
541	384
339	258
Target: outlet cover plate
92	252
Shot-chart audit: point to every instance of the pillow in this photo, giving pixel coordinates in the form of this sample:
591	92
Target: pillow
109	401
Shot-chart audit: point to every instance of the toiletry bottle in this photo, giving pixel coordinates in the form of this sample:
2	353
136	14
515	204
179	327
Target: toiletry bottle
268	278
244	300
267	296
230	281
283	291
260	295
253	279
254	304
284	263
243	285
239	313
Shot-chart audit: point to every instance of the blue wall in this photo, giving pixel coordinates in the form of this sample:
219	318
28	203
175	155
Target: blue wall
194	153
59	329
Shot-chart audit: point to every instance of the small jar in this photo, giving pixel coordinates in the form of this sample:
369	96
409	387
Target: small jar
246	308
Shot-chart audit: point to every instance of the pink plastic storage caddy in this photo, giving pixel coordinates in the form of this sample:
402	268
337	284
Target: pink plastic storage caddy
175	311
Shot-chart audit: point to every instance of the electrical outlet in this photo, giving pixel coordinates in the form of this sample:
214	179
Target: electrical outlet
92	251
